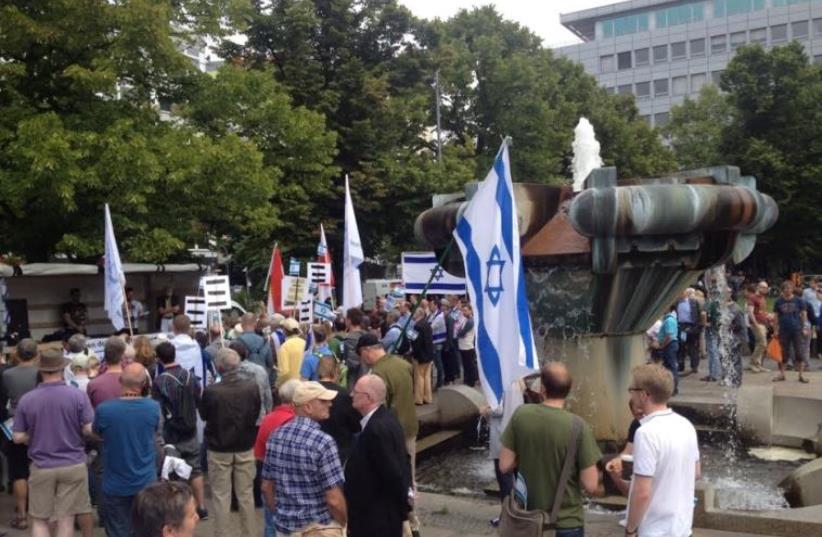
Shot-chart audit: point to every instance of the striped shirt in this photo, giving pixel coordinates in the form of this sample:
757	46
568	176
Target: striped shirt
302	462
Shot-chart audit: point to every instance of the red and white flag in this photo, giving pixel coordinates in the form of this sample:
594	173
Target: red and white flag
274	282
325	290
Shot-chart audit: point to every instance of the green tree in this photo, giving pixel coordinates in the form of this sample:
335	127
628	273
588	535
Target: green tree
79	128
697	128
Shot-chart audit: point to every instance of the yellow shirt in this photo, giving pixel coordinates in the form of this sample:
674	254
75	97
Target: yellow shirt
290	357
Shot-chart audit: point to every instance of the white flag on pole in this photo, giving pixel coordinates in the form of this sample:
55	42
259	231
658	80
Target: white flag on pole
488	237
115	280
352	256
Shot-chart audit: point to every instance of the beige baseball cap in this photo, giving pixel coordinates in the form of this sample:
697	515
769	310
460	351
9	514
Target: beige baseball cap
308	391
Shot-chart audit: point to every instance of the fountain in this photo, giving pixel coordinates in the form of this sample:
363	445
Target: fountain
586	153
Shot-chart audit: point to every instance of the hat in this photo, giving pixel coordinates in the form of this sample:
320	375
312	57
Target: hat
51	361
290	325
308	391
367	340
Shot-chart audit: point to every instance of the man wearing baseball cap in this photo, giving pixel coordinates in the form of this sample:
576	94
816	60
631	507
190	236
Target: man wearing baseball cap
302	465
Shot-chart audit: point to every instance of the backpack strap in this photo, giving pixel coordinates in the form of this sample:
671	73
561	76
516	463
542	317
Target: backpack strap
570	462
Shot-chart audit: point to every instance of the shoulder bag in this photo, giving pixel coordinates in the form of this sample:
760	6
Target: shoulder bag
515	521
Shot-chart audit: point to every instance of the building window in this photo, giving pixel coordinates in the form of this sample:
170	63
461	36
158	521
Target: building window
679	85
716	77
641	57
643	90
799	30
624	60
606	63
678	50
660	53
661	87
683	14
759	35
624	89
697	81
779	32
779	3
697	47
661	119
738	39
727	8
817	59
718	44
817	27
625	25
610	90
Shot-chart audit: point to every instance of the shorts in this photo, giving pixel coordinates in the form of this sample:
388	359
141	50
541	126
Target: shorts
189	451
794	348
56	493
18	455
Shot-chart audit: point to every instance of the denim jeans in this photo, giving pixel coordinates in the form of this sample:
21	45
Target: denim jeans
268	518
669	360
115	512
712	346
570	532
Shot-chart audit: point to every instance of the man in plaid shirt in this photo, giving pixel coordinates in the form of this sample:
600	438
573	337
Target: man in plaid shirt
302	476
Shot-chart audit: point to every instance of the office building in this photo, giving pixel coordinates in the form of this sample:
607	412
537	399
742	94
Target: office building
662	51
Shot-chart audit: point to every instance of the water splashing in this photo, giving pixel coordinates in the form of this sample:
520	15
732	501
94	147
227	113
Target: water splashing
586	152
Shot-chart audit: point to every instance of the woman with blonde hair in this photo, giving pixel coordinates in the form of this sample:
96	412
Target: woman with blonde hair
144	354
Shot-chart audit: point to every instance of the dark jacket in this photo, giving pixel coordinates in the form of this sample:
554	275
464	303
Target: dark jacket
422	348
377	479
343	421
230	409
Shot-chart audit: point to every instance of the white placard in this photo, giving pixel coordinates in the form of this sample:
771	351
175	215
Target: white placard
295	290
305	313
217	292
319	273
195	308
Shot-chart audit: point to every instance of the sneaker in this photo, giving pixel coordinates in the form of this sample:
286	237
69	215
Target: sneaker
494	521
202	513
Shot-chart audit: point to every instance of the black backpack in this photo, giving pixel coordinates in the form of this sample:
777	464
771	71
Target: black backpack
183	419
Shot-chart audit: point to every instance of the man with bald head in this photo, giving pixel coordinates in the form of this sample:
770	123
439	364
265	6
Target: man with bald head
536	443
128	426
378	472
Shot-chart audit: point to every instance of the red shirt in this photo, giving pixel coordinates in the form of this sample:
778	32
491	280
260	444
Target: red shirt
758	303
271	422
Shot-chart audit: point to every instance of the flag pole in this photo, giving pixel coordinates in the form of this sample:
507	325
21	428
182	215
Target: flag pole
128	315
266	283
416	306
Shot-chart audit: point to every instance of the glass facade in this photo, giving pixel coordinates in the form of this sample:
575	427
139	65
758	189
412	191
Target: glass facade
676	15
727	8
631	24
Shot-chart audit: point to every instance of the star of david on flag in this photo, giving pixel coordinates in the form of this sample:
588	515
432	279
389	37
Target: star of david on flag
488	237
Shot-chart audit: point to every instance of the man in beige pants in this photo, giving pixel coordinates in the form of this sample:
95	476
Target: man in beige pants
230	409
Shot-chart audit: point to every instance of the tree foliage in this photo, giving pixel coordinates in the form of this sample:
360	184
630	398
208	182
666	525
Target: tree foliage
769	123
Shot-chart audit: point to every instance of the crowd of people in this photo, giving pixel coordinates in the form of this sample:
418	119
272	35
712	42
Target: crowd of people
270	408
720	324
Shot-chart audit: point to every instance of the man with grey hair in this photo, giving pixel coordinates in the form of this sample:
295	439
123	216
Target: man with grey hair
107	386
259	349
281	415
230	409
378	472
16	382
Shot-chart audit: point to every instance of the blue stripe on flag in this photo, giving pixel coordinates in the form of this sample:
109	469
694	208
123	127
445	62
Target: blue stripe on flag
489	357
420	260
525	320
436	287
506	206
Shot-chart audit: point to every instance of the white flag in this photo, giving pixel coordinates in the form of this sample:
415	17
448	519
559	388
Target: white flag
115	279
488	237
352	256
326	290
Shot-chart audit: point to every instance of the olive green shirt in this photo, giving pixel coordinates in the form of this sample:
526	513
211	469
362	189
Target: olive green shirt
539	435
399	398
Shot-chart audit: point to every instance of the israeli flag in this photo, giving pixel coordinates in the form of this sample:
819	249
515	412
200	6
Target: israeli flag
488	237
419	267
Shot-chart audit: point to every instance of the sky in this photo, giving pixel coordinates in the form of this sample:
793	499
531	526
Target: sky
541	16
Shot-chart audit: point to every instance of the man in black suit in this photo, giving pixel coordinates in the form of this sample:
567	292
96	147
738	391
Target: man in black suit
378	473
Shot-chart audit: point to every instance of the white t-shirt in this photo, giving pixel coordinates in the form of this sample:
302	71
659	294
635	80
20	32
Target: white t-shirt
666	450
